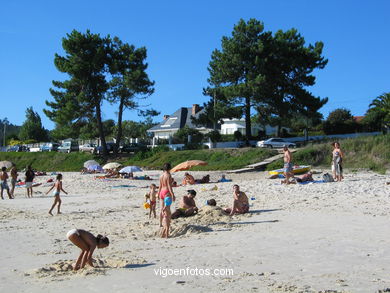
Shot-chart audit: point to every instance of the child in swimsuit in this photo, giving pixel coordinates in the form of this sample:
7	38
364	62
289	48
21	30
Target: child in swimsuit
57	200
166	220
152	200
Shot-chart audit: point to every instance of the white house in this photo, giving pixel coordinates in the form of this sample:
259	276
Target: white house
229	126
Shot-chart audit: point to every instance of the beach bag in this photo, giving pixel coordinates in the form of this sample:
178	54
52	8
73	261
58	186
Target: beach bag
327	177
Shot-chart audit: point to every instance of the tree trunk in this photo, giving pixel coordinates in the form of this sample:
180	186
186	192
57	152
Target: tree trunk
100	128
248	128
119	133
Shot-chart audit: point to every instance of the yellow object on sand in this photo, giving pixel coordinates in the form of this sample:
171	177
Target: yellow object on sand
214	188
296	170
146	205
203	189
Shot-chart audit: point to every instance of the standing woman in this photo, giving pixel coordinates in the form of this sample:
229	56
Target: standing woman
87	242
14	178
165	189
337	160
29	180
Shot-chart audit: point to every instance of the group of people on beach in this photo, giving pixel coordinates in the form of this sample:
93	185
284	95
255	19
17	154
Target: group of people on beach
187	206
29	177
336	165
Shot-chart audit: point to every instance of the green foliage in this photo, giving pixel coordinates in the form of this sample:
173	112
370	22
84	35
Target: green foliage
217	159
340	121
271	72
214	135
182	135
11	131
378	115
32	129
129	82
49	161
237	135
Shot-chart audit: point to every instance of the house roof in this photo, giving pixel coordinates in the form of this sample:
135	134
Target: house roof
178	120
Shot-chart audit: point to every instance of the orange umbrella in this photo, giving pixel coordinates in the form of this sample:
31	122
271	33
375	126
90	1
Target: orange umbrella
187	165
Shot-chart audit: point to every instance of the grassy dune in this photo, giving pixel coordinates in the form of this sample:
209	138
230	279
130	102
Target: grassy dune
366	152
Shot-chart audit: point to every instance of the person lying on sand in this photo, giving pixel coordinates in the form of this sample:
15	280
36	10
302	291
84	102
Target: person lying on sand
205	179
240	202
87	242
187	206
188	179
305	177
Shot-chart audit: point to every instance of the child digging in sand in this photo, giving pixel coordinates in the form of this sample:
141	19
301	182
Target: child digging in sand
58	188
87	242
151	196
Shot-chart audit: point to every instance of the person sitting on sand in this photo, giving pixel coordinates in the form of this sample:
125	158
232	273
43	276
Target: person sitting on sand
58	188
3	183
112	173
223	179
187	206
240	202
87	242
188	179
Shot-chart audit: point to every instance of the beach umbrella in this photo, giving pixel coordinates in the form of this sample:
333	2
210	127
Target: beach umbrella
6	164
129	169
90	163
95	168
112	165
188	165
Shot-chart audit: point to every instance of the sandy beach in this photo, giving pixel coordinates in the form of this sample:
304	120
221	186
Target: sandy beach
297	238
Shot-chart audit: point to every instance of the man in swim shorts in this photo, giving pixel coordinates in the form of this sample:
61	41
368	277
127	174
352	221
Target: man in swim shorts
288	166
187	206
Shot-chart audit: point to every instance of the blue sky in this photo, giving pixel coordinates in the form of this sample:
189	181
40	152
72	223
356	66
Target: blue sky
180	36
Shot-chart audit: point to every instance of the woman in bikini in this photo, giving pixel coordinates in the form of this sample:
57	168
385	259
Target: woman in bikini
87	242
165	188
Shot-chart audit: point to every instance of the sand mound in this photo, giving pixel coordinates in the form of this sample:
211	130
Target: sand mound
189	229
63	268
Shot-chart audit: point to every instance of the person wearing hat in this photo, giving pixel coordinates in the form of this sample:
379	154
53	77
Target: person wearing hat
187	206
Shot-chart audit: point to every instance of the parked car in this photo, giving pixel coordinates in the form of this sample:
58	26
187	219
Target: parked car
132	148
50	147
110	148
69	146
88	147
275	143
18	148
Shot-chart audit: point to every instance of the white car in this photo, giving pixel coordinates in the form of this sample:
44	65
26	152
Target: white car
275	143
88	147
